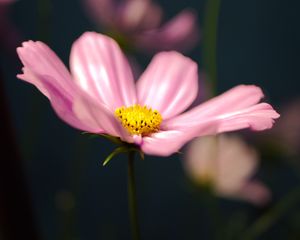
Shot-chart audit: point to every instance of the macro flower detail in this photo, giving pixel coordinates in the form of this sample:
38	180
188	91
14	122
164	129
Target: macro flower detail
139	120
99	95
227	164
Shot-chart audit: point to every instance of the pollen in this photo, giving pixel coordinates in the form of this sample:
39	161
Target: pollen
139	120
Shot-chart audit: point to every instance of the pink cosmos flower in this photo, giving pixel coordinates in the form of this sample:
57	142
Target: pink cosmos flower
100	95
227	163
140	22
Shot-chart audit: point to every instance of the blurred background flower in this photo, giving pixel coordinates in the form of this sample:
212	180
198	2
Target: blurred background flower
227	164
138	24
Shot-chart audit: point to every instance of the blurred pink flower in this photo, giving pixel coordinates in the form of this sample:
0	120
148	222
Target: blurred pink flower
228	164
9	36
100	95
140	22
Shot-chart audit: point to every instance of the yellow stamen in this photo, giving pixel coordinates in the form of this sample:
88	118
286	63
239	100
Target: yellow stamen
139	120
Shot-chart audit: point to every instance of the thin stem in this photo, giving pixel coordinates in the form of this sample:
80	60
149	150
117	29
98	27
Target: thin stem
211	21
132	202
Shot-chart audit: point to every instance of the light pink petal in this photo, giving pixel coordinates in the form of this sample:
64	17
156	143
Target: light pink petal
165	143
44	69
38	58
93	116
234	99
162	143
220	114
62	104
169	84
258	117
100	68
233	110
95	113
180	33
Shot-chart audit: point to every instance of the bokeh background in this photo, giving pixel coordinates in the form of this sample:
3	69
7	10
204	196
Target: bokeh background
53	185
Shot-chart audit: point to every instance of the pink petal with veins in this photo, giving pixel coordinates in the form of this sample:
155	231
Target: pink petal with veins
235	109
100	68
169	84
44	69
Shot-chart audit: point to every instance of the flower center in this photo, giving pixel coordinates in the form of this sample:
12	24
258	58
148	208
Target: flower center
139	120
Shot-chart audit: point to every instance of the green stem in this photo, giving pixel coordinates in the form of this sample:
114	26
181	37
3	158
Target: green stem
132	202
210	42
263	223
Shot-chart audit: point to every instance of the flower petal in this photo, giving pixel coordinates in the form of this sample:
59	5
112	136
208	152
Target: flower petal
44	69
100	68
61	103
95	113
233	110
180	33
162	143
220	114
169	84
258	117
165	143
38	58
